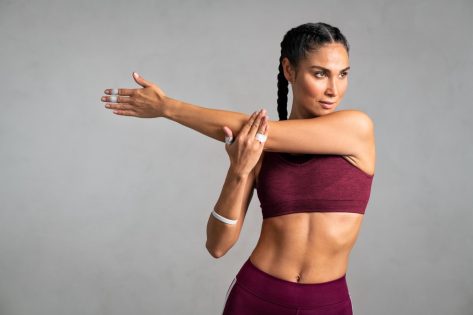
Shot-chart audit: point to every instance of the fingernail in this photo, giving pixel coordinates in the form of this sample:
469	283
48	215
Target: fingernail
107	91
264	111
136	75
104	98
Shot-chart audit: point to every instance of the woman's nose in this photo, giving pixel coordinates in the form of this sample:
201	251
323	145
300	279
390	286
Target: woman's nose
331	89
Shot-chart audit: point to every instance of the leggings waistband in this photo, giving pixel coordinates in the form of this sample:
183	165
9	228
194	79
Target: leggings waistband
289	293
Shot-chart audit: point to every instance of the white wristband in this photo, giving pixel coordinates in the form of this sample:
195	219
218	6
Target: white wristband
223	219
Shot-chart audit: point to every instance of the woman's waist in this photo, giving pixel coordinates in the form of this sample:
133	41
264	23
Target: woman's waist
301	263
275	289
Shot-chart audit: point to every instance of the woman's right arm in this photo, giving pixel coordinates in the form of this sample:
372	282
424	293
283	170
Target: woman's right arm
237	190
232	204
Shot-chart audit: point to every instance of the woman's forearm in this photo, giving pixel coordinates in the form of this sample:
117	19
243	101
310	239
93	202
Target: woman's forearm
230	204
204	120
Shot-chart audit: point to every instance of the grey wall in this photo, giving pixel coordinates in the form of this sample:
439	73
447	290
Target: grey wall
104	214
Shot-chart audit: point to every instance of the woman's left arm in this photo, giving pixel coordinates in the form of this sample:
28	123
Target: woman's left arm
345	132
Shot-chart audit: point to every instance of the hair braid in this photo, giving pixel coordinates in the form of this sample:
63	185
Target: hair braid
282	94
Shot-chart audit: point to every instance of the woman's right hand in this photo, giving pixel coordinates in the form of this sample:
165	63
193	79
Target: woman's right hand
146	102
245	150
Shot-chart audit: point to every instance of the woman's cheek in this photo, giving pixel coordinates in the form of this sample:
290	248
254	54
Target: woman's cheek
342	89
314	89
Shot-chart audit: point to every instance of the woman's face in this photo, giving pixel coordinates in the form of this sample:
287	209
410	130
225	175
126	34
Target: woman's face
321	77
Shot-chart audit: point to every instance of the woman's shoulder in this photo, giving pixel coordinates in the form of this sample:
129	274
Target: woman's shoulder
357	115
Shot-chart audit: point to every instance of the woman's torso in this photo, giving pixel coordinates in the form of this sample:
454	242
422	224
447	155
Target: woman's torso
308	247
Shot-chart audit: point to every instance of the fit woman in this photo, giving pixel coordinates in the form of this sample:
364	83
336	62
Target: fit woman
313	178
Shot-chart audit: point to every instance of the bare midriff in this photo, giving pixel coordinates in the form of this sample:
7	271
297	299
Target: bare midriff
307	247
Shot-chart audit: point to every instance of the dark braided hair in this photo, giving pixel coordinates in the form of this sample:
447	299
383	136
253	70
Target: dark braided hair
296	44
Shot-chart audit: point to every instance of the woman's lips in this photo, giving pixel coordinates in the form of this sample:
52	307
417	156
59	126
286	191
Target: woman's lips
327	105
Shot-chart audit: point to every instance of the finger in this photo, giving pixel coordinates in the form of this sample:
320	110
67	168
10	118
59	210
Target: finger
266	125
262	136
228	132
228	135
123	92
256	124
141	81
124	106
246	127
263	129
116	99
124	112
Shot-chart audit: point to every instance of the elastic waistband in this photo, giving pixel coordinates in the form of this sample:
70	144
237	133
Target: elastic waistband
289	293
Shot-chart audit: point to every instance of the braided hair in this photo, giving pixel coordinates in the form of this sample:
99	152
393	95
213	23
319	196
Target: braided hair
296	44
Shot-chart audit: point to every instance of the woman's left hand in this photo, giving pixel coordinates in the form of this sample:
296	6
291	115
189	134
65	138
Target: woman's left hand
245	150
146	102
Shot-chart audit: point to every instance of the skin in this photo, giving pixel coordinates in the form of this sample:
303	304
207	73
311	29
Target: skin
237	190
311	247
299	247
311	85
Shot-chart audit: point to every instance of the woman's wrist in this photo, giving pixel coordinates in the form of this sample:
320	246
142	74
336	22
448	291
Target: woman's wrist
170	107
237	173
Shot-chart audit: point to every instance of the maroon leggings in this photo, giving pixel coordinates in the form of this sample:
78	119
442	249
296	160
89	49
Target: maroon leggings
255	292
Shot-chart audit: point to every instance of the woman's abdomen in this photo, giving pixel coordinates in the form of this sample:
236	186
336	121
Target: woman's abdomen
307	247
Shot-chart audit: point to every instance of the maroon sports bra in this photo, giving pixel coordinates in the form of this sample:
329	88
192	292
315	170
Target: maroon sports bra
311	183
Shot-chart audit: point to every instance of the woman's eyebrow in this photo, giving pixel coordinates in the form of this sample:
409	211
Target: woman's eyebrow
315	66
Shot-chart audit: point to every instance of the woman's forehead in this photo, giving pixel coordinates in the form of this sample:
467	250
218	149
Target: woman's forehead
331	56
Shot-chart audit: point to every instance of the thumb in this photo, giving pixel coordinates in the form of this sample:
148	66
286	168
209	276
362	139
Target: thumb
140	80
227	131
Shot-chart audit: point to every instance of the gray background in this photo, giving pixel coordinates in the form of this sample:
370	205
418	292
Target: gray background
105	214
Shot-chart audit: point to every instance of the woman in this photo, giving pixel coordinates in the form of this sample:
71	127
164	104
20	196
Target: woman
313	177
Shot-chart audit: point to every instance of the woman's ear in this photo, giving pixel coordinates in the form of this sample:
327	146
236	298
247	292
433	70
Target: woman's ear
289	73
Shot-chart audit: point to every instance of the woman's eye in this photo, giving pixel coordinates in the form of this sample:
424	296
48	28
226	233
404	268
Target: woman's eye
319	73
344	74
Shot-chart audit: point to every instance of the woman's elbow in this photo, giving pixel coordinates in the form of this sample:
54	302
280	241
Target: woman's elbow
216	252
